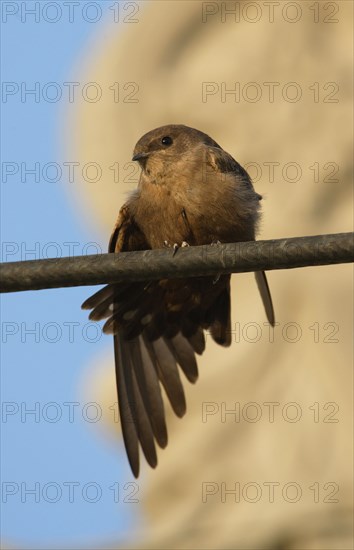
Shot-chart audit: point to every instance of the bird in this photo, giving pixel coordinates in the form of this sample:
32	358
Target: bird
191	192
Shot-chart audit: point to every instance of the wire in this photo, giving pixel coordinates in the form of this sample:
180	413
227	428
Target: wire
187	262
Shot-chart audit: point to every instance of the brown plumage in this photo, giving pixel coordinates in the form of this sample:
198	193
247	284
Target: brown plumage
190	191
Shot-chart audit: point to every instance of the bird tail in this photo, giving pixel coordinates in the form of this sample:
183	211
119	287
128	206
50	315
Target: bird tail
264	291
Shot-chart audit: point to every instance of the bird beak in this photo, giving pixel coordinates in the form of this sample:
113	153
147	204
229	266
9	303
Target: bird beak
140	156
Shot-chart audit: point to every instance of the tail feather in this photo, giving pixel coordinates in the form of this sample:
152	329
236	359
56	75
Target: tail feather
264	291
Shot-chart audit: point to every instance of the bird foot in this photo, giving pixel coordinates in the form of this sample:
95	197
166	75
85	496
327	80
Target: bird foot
175	246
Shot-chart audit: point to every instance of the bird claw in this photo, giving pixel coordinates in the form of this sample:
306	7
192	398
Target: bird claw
176	246
215	243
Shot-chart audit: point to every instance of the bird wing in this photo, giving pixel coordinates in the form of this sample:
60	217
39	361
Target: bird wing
222	162
157	326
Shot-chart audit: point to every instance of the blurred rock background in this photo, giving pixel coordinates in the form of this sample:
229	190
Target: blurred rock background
167	63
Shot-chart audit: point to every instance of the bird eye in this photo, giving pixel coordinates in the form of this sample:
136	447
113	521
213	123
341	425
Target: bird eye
166	140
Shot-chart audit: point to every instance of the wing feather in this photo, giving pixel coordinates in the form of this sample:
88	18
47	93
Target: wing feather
167	371
127	409
158	328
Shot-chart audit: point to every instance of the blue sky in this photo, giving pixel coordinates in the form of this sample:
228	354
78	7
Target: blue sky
41	362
